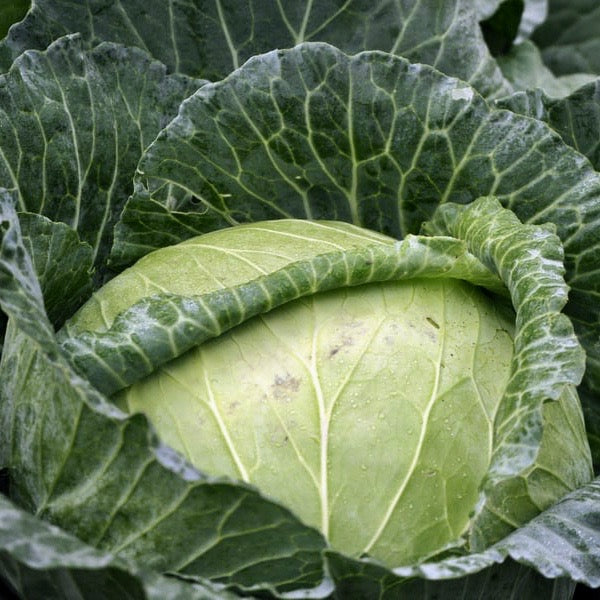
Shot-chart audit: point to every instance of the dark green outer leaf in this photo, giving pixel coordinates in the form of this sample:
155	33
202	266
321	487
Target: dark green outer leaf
21	296
362	579
313	133
62	263
524	68
570	37
370	139
131	494
576	118
211	38
42	561
73	125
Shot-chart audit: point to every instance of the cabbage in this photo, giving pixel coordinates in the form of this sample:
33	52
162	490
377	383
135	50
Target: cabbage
445	149
368	411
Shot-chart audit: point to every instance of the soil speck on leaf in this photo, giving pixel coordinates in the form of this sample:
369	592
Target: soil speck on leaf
432	322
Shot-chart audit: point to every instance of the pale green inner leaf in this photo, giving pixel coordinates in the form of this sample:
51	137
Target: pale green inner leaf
417	367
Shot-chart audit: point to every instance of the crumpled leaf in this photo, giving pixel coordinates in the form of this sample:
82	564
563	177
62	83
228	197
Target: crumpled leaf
172	324
548	360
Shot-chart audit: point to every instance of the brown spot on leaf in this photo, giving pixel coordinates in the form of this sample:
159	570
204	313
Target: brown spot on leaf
346	341
285	385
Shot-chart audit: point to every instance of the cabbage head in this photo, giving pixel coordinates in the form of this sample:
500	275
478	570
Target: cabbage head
373	406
